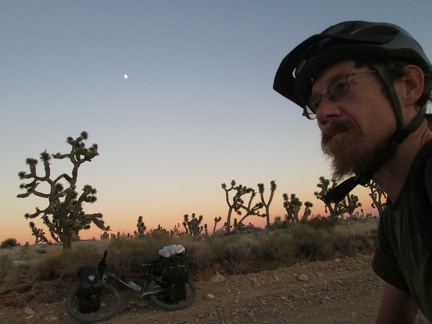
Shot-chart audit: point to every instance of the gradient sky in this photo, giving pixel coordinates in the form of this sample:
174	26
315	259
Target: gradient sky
196	111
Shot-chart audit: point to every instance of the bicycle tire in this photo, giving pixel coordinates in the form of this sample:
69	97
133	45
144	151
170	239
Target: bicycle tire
163	301
110	304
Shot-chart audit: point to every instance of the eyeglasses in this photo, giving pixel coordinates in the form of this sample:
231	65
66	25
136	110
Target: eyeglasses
336	90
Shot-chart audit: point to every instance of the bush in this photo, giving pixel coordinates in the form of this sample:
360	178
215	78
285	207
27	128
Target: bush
6	265
313	244
48	266
233	254
322	223
123	255
278	247
10	242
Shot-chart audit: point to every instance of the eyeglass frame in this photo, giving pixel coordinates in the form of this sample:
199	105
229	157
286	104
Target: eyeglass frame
310	112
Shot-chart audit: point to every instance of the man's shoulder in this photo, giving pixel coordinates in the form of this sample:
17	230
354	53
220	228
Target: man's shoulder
422	165
422	190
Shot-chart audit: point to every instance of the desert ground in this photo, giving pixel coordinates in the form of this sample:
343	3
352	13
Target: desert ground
342	290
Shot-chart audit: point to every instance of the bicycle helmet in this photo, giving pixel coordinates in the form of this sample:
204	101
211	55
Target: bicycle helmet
346	40
351	40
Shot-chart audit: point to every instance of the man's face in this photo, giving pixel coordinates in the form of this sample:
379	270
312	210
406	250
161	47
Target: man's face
356	126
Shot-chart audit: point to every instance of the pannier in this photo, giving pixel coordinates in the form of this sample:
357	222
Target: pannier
172	270
178	293
90	290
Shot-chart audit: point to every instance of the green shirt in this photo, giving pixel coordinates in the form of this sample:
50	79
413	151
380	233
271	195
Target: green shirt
402	259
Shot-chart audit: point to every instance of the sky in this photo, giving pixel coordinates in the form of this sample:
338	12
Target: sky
197	109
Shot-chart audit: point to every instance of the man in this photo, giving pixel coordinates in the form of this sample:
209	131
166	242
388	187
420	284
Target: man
367	84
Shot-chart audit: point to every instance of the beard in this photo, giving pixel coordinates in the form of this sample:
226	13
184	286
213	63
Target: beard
345	145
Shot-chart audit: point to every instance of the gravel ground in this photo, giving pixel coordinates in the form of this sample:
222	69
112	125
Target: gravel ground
336	291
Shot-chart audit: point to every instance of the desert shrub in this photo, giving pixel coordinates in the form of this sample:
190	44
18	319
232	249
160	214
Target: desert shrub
278	246
199	253
48	266
59	263
281	247
82	255
235	254
6	265
41	251
357	226
10	242
350	245
322	223
129	254
352	237
123	255
313	244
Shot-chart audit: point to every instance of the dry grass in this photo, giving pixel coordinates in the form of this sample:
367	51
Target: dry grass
240	253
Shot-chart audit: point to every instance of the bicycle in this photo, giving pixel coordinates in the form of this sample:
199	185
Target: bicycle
165	295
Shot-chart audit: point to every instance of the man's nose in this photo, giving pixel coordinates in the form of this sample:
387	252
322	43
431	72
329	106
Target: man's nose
327	109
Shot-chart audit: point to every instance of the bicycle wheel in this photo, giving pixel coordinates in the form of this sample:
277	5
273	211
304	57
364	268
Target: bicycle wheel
109	305
172	297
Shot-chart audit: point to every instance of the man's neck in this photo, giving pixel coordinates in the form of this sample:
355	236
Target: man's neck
392	175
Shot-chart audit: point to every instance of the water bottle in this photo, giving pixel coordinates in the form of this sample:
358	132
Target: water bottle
134	286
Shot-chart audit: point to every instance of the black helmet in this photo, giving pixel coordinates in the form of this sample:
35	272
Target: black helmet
346	40
352	40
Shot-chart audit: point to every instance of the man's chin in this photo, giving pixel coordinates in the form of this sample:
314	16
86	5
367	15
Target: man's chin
338	137
341	162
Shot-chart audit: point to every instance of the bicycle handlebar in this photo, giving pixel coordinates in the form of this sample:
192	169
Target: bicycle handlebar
102	263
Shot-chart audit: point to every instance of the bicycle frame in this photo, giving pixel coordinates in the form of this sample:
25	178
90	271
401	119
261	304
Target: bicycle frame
143	293
106	275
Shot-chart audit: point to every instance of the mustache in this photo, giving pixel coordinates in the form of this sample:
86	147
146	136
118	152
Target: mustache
333	128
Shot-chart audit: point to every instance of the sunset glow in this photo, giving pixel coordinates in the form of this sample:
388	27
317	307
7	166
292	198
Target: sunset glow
197	109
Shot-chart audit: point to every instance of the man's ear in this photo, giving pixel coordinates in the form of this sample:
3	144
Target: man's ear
412	85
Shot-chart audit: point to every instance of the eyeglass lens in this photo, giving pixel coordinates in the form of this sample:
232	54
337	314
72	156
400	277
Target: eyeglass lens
336	90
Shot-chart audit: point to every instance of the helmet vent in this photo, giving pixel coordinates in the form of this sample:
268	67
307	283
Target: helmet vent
377	30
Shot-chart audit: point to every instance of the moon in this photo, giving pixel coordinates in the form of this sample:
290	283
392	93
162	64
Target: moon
125	76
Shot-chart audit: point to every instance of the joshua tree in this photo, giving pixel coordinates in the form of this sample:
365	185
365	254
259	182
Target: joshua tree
38	233
141	228
193	226
175	231
104	236
161	232
378	196
307	211
238	205
348	205
267	204
216	220
64	216
236	201
250	210
292	206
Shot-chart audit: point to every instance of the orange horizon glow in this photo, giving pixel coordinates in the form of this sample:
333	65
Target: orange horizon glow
125	222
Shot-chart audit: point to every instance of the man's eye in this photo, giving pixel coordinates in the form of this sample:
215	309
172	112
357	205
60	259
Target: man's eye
314	104
339	89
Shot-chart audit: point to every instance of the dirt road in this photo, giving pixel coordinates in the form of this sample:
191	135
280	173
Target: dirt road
337	291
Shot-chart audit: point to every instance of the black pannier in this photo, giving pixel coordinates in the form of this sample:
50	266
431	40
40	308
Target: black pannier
175	293
178	293
90	289
172	270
